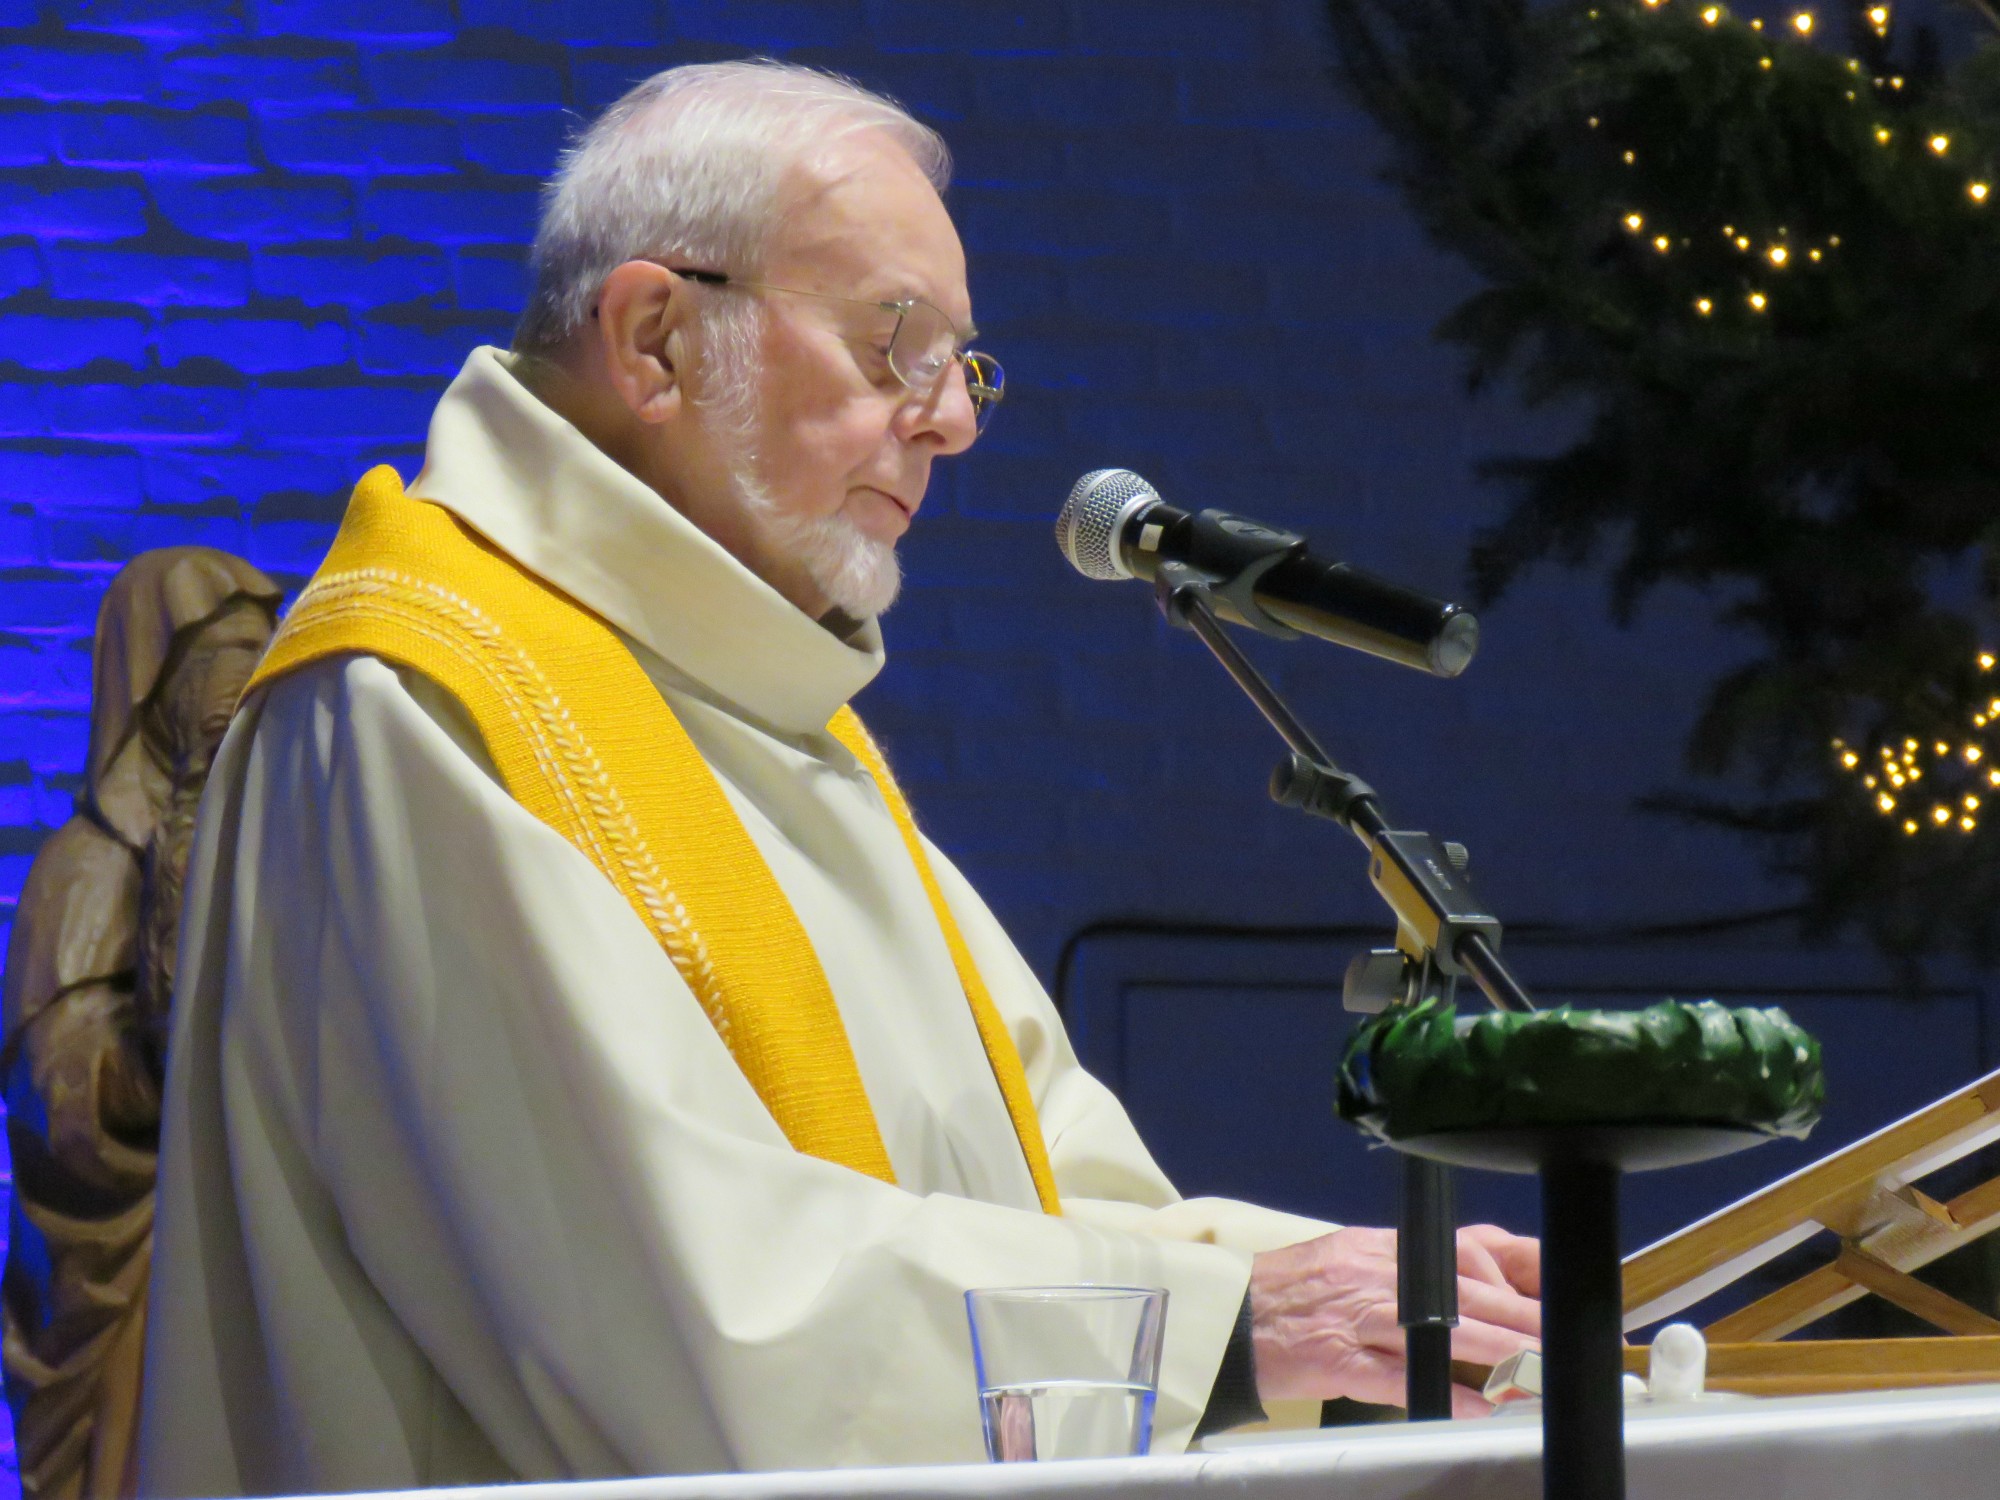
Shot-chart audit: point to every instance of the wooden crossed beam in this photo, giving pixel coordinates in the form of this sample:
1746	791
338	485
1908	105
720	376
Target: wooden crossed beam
1888	1227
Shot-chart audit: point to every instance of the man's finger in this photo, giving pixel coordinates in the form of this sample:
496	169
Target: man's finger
1483	1344
1476	1261
1499	1305
1466	1402
1518	1257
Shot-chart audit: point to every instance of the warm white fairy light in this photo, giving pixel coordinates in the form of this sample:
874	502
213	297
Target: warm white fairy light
1878	19
1635	222
1662	244
1802	23
1758	301
1778	255
1889	771
1710	14
1977	191
1940	144
1703	306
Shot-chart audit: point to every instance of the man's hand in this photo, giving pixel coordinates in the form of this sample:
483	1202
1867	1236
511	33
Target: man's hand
1323	1314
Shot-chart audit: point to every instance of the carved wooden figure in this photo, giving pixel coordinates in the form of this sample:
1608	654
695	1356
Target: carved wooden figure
88	982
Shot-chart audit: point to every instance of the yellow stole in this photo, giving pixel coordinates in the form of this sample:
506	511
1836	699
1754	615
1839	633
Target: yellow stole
584	741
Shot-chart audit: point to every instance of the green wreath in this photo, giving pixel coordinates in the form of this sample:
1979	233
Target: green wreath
1418	1070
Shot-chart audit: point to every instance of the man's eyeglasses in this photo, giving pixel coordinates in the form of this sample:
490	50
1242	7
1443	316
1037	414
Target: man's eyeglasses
924	345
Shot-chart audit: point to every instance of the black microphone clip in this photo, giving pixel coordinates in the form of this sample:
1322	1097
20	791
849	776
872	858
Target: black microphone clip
1227	557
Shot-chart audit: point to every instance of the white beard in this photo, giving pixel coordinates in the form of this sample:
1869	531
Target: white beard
859	575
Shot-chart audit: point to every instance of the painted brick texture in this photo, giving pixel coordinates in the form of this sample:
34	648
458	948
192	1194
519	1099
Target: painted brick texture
244	243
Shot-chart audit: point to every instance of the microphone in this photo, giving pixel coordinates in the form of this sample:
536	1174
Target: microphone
1115	525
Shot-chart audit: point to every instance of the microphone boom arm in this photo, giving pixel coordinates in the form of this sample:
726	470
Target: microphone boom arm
1438	918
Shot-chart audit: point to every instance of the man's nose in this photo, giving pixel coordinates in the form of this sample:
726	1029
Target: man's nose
946	415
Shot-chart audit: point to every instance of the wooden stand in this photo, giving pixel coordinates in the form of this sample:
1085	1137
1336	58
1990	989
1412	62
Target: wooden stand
1865	1194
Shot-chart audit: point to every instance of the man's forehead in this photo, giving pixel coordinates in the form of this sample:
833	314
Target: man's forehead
865	222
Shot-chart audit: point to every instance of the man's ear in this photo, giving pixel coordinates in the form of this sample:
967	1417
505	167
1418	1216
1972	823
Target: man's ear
642	312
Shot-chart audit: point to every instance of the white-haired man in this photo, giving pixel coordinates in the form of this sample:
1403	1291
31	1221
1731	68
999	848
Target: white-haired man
581	1064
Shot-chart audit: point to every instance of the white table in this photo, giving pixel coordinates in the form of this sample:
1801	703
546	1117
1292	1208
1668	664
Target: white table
1913	1445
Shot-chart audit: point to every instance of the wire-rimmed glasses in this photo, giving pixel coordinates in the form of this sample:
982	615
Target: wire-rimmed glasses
924	345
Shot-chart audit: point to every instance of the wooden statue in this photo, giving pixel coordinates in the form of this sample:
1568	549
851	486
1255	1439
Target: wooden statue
88	982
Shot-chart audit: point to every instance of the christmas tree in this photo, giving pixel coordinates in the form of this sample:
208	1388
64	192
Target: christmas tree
1764	263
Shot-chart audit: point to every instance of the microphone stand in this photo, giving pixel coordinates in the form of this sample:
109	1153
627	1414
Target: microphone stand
1442	933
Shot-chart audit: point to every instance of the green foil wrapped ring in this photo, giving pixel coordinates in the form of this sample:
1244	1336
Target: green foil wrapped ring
1419	1070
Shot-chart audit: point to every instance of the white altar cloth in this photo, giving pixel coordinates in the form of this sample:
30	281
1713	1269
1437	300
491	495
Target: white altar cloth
1912	1445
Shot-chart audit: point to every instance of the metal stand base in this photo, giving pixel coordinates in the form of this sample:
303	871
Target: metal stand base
1583	1405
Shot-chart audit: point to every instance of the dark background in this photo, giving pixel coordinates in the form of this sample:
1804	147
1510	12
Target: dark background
244	243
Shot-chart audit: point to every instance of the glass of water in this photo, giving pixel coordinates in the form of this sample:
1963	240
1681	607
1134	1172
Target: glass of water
1067	1371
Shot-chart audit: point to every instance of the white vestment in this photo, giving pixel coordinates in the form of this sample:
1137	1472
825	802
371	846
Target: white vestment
458	1181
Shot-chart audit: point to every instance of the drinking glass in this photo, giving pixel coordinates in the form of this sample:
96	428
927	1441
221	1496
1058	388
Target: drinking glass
1067	1371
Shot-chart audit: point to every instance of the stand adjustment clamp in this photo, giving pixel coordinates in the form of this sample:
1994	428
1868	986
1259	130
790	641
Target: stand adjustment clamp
1434	904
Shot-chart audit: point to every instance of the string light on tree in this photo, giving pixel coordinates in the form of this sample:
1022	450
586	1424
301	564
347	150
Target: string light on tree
1901	766
1802	23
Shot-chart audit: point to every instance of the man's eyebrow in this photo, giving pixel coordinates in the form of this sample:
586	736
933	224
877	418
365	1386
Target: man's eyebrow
904	291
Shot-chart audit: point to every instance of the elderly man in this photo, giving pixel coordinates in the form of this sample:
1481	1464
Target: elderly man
582	1065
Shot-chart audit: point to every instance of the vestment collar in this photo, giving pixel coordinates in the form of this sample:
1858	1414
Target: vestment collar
528	481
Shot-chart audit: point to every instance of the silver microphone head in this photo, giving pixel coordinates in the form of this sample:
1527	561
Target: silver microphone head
1090	521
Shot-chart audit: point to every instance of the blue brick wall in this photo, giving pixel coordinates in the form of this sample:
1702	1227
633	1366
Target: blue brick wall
243	244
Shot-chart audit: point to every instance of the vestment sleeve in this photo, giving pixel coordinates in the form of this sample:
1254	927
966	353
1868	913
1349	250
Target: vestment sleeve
466	1054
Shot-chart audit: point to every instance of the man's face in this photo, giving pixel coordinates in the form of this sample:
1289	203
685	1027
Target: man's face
841	450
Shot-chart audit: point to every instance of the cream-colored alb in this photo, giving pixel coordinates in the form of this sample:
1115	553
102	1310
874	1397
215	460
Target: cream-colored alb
458	1182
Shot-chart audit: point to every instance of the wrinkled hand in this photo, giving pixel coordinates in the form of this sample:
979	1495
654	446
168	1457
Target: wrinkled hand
1323	1314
